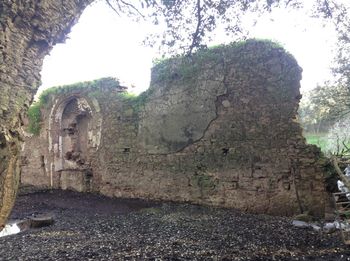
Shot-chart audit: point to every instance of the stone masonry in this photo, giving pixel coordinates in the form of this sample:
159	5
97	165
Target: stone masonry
218	128
28	31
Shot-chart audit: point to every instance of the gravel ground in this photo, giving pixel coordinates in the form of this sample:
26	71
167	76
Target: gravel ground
93	227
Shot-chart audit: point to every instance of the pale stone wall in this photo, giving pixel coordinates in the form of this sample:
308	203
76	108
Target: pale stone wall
218	128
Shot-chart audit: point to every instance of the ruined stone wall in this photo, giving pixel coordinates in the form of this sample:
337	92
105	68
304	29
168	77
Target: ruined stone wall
218	128
28	30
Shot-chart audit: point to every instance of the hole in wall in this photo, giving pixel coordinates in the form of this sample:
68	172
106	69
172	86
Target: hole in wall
42	161
225	151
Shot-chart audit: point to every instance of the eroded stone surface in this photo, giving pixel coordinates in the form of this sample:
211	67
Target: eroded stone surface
28	30
218	129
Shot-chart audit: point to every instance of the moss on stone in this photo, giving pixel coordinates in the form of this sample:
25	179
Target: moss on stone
34	116
45	99
136	101
204	181
184	67
180	68
91	86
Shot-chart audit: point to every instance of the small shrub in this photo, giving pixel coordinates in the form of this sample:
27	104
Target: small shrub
34	116
34	111
136	101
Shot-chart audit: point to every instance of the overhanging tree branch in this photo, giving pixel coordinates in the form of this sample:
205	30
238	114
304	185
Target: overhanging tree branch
131	6
195	38
112	7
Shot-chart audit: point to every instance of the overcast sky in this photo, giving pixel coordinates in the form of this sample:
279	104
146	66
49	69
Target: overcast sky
103	44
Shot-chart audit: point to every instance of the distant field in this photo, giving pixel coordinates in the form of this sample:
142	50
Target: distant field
319	139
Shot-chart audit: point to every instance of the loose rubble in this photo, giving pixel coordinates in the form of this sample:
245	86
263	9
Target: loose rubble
328	227
93	227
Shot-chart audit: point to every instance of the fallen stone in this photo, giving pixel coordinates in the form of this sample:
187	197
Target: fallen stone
315	227
41	220
329	227
300	224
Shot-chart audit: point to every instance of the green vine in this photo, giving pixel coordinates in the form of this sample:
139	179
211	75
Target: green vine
180	68
184	67
46	97
34	116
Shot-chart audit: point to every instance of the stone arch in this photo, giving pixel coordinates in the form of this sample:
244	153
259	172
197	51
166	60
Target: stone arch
29	31
74	137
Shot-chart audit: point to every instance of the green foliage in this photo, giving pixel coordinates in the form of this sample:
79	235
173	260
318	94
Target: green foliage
188	31
323	106
178	68
45	98
204	181
184	67
318	139
339	139
94	85
34	116
128	96
136	101
336	141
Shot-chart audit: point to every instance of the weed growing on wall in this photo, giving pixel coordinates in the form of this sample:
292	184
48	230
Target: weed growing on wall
179	68
46	97
34	116
136	101
94	85
184	67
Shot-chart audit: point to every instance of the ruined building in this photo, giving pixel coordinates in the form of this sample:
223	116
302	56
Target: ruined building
218	128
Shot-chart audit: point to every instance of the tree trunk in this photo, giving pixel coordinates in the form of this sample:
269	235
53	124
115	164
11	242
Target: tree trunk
28	31
341	175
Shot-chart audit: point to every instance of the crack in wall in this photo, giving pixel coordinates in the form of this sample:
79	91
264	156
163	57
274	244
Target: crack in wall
206	141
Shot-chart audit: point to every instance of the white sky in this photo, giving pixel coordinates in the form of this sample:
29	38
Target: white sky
103	44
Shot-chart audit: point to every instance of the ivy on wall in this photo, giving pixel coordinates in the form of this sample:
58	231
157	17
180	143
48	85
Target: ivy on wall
46	97
164	71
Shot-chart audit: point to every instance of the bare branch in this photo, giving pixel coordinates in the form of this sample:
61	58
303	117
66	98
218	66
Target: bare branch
328	10
196	33
131	6
111	6
343	178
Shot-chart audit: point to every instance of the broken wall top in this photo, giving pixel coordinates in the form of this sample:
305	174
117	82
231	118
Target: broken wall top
186	93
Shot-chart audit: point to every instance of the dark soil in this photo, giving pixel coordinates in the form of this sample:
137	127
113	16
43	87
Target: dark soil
93	227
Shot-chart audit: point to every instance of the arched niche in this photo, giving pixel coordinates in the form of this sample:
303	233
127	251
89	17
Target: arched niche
74	137
75	122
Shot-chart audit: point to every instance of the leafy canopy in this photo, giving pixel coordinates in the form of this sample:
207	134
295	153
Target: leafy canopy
189	25
186	26
323	106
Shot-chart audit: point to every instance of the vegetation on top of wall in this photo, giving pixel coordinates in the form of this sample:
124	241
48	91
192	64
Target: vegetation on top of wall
136	101
179	67
45	98
107	82
184	67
